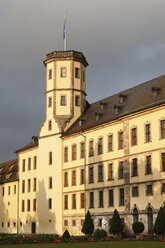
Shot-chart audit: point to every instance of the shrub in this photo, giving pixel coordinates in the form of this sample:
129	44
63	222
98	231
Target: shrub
116	224
10	239
138	227
66	235
88	226
45	237
159	226
100	234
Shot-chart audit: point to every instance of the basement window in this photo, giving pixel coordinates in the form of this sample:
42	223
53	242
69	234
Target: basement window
155	91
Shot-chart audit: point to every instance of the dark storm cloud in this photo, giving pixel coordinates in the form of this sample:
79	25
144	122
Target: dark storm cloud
123	41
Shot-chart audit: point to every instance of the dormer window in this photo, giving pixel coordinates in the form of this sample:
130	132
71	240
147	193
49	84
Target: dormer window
81	122
34	139
103	105
98	116
11	166
1	169
8	175
155	91
122	98
116	109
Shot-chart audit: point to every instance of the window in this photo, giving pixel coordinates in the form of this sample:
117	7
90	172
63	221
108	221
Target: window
163	188
110	143
135	191
148	133
90	174
149	189
83	75
100	173
34	184
29	163
111	198
65	154
35	163
77	72
23	165
63	72
66	179
73	222
3	191
120	137
82	200
50	182
2	224
15	189
8	190
110	171
100	222
29	185
163	161
49	203
82	222
50	157
65	202
91	153
50	74
91	199
77	101
49	102
82	150
74	154
73	178
162	129
23	186
82	176
101	199
34	204
50	125
74	201
8	224
65	222
135	215
121	170
28	205
14	224
134	136
134	167
63	100
148	165
121	197
100	146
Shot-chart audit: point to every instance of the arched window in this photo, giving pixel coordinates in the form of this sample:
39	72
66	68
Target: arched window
150	220
135	215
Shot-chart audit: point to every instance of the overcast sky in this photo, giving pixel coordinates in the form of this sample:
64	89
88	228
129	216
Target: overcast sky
123	41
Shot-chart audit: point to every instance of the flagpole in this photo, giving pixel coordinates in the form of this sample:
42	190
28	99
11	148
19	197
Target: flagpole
65	31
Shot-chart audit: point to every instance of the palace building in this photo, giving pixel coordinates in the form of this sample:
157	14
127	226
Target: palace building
100	157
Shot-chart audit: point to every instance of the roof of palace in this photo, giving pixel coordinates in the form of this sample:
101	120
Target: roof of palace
9	171
138	98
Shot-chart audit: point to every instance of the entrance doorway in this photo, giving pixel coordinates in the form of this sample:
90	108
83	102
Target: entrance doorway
150	220
33	228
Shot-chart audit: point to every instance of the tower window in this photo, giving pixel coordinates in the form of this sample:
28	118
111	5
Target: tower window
49	203
162	129
148	133
28	205
50	125
77	101
50	157
50	102
66	154
77	72
50	182
65	201
83	76
23	165
63	72
50	74
63	100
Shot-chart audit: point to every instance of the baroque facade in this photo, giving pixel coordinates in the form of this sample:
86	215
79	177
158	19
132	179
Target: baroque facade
99	157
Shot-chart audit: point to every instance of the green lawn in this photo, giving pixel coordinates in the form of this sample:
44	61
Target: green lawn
112	244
